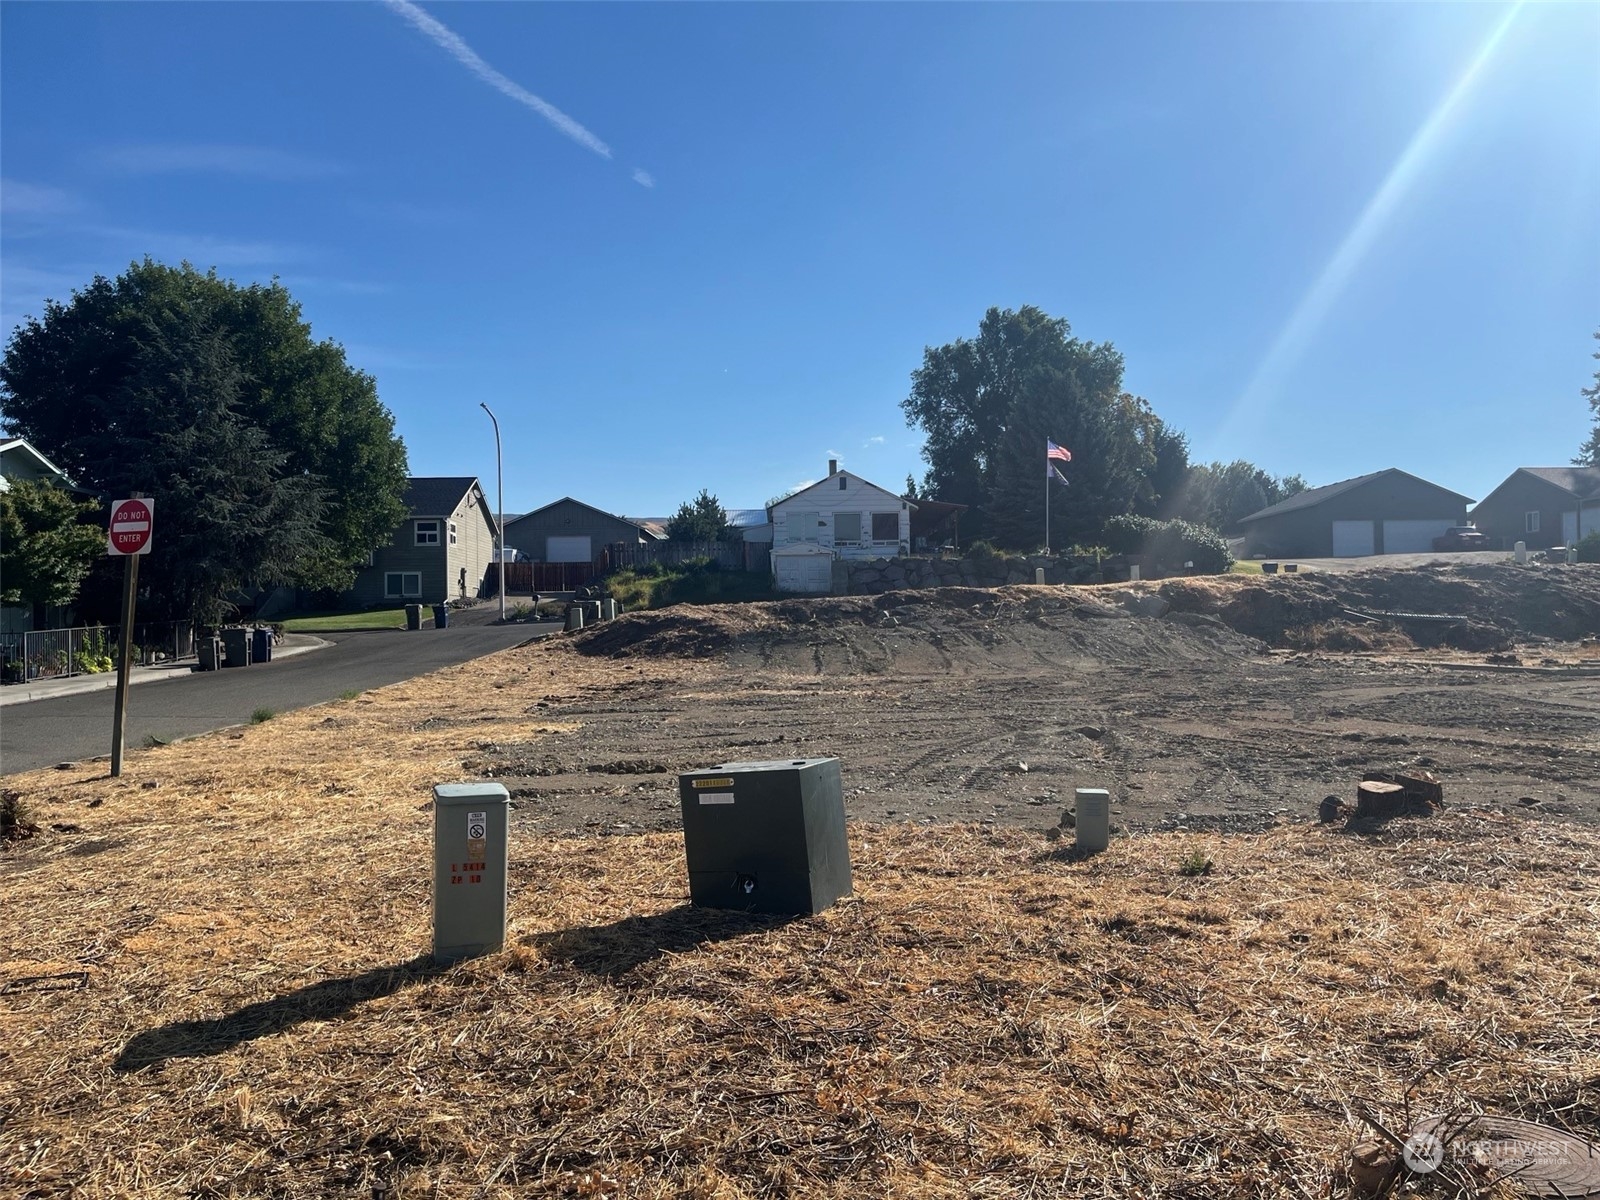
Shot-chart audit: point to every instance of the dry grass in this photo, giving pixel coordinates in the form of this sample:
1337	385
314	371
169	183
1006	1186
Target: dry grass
213	988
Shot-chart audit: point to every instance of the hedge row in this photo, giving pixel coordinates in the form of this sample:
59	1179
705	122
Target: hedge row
1170	544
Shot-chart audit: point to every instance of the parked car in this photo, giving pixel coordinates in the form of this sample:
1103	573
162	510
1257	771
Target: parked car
1461	537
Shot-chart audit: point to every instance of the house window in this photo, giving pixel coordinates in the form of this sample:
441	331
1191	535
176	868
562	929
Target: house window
803	526
427	533
886	527
400	585
846	528
843	483
1530	522
452	533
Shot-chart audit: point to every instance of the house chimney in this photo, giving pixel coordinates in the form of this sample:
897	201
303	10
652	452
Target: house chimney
833	466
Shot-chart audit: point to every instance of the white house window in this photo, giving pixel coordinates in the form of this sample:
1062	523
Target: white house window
427	533
1530	522
400	585
846	528
803	526
886	527
452	533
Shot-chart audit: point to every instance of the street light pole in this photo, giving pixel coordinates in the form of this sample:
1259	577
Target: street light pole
500	519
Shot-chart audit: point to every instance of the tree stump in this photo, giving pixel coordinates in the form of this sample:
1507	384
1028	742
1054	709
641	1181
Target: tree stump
1376	800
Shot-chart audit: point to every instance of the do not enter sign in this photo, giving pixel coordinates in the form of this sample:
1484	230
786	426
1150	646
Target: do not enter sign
131	524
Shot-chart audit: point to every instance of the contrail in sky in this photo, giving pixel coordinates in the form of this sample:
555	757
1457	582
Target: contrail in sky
464	54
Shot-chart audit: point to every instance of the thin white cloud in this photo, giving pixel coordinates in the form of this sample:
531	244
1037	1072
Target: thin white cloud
464	54
643	178
202	249
257	162
876	440
35	200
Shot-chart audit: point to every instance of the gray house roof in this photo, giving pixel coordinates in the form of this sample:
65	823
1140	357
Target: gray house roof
637	522
437	495
1317	495
1583	482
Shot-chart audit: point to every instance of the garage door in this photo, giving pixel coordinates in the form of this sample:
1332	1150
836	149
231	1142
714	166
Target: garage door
1352	539
803	572
567	549
1411	537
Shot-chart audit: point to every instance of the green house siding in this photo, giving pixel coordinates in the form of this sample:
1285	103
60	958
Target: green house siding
438	566
1503	514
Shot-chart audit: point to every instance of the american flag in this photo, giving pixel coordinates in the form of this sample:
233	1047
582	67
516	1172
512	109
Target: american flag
1051	450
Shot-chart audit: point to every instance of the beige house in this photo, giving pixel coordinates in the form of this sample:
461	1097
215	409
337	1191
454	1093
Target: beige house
440	552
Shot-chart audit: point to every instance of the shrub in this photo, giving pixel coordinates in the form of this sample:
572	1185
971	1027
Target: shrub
983	551
1589	548
1171	544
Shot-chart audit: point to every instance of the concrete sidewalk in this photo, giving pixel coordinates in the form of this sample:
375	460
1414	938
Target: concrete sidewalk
289	645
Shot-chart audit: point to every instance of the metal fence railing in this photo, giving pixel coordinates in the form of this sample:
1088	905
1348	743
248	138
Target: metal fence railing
89	649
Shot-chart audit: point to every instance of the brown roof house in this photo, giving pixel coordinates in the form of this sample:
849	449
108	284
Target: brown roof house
439	552
1386	512
1542	506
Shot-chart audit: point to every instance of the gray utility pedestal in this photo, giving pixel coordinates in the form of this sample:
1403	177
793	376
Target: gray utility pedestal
469	869
236	646
766	837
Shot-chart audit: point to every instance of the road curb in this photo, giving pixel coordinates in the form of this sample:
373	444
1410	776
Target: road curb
78	684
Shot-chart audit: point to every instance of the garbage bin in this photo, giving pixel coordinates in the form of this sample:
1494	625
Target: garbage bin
441	616
209	650
261	645
413	616
236	646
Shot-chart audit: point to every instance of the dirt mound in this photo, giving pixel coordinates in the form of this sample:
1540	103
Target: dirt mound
1498	603
934	631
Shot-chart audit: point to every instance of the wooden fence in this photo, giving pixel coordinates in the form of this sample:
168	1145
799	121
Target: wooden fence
730	556
525	578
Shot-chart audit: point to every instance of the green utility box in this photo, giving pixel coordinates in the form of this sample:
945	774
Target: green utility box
766	837
469	869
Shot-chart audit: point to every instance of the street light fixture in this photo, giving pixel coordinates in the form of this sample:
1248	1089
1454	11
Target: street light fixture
500	519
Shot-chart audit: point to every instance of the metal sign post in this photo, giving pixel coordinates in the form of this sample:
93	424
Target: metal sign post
132	523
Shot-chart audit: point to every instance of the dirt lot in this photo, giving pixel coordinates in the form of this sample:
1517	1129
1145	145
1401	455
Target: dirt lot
972	705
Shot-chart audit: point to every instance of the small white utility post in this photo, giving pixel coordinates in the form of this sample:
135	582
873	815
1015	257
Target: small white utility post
500	516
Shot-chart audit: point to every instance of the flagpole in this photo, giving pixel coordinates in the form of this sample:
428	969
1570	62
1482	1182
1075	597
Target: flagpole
1047	497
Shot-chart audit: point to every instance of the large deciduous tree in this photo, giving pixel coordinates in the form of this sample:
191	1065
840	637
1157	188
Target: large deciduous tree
1589	452
49	541
986	405
271	459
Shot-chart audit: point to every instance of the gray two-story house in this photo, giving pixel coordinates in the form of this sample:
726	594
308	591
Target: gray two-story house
440	552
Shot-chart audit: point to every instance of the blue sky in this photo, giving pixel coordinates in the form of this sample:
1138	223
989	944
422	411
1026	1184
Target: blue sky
685	246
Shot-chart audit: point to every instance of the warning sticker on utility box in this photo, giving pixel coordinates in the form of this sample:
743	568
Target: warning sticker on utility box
476	825
701	785
717	798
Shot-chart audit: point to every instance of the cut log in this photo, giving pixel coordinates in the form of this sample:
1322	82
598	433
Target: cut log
1423	787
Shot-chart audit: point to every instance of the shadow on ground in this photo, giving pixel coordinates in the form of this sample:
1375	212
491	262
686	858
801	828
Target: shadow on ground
613	950
317	1002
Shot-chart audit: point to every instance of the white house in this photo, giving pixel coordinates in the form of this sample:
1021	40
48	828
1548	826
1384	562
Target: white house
842	516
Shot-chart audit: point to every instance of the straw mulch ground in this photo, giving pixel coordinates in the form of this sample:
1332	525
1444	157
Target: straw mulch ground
215	987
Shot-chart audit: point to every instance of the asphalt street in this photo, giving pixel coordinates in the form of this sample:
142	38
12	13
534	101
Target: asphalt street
76	728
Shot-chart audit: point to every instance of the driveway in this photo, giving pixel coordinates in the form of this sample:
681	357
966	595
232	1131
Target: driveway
78	727
1393	561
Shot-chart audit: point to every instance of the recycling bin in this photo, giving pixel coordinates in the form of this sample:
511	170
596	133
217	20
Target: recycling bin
441	616
766	837
236	646
413	616
261	645
469	869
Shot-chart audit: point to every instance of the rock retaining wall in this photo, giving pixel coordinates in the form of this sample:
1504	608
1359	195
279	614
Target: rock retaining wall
865	577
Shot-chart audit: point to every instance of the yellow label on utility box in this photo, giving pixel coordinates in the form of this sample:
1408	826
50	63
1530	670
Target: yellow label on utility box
713	783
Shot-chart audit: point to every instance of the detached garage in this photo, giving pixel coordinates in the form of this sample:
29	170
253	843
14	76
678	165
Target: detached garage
570	531
1387	512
